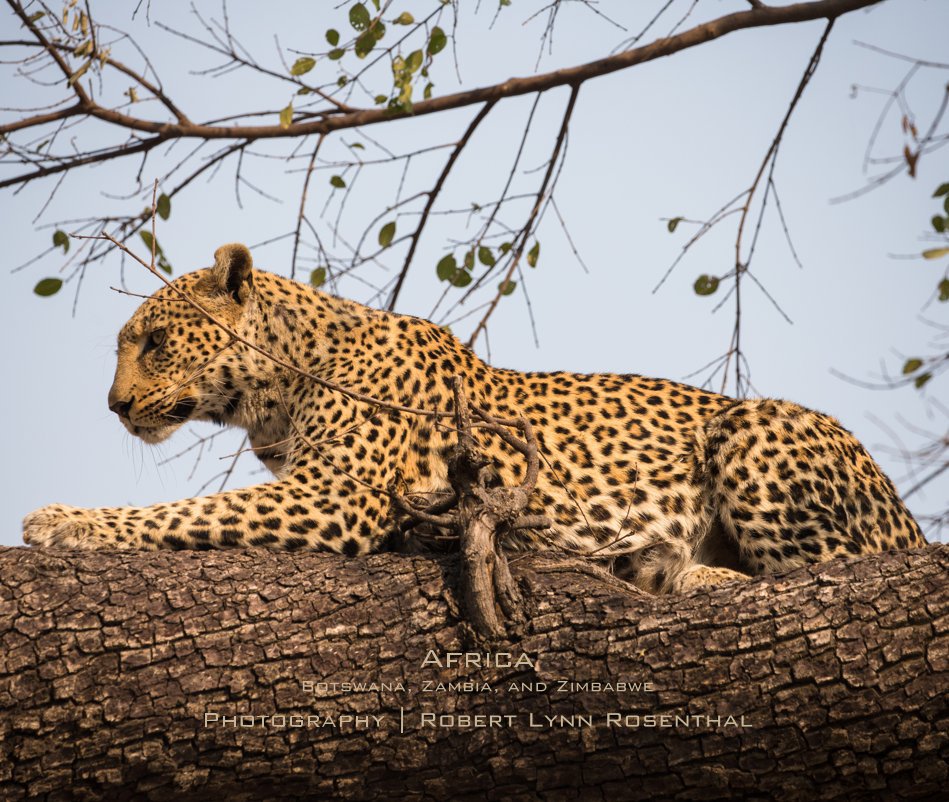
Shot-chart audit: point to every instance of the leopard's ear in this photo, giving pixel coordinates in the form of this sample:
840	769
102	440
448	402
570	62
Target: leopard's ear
233	271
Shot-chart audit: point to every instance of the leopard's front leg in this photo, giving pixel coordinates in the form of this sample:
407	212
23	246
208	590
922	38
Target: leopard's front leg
62	526
327	513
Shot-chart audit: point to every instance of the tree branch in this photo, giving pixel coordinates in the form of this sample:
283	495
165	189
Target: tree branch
771	158
432	196
518	249
118	670
573	76
302	212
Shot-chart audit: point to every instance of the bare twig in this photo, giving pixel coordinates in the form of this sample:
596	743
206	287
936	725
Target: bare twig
432	196
301	213
518	250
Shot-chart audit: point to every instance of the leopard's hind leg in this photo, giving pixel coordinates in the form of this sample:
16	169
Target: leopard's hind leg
788	486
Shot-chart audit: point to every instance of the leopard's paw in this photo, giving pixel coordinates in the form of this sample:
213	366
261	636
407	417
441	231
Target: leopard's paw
61	526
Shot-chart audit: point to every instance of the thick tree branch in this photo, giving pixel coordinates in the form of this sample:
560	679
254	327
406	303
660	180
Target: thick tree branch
122	674
573	76
42	119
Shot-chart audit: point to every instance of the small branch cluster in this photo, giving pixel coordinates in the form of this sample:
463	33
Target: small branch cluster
918	139
733	360
480	510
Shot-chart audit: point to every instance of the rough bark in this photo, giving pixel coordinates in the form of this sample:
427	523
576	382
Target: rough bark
110	661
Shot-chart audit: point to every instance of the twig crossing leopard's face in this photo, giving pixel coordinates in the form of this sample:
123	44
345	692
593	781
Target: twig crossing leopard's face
672	485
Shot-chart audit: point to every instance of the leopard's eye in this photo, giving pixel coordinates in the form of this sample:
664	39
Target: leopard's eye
155	340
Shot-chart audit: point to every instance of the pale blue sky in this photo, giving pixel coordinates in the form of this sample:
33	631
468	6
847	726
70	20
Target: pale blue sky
679	136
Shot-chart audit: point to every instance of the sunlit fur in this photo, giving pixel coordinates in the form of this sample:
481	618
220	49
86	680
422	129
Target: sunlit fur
670	485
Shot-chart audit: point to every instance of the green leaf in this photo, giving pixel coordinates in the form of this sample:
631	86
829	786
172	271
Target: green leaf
160	261
332	36
342	81
461	278
469	260
163	206
380	99
939	223
48	286
364	44
403	19
336	55
504	247
379	30
359	17
302	65
671	225
507	287
935	253
911	366
36	16
357	146
446	267
286	116
386	233
922	379
944	290
61	240
401	104
414	61
486	257
427	92
318	277
436	41
533	255
942	189
705	285
337	181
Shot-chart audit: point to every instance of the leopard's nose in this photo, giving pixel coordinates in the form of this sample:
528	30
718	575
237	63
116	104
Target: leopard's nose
121	408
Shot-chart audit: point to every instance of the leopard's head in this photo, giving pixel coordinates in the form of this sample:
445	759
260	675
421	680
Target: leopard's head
176	363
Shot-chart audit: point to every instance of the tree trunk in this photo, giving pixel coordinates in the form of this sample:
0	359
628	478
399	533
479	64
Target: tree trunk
125	675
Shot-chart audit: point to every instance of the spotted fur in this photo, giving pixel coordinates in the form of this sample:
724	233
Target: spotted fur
672	485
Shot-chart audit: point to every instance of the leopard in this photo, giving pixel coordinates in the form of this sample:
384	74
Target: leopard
671	486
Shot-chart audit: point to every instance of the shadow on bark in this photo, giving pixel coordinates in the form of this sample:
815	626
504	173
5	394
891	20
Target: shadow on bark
826	683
